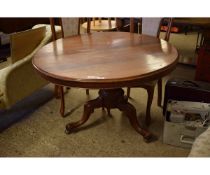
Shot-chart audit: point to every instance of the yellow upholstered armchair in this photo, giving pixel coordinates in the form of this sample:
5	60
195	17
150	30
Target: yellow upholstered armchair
19	80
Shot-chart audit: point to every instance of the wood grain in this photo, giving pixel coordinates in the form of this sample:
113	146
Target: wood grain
105	60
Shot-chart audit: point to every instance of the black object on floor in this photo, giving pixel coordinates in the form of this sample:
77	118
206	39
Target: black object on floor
185	90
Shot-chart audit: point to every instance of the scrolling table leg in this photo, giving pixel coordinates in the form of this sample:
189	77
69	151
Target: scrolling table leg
112	98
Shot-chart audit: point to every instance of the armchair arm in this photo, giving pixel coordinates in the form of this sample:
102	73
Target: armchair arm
19	82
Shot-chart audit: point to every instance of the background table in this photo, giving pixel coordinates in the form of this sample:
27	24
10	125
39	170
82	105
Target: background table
107	61
101	25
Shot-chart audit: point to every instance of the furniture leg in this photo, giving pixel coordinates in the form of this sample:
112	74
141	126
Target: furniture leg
56	91
108	112
128	92
130	112
62	107
197	42
159	92
88	110
109	22
111	98
87	91
150	92
94	23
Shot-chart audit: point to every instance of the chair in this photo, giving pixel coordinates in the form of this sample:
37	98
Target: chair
69	27
19	80
151	26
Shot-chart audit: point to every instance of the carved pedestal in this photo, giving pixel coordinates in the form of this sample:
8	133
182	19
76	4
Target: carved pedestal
112	98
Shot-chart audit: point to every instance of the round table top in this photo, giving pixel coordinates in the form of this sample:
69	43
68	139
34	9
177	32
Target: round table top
101	26
105	60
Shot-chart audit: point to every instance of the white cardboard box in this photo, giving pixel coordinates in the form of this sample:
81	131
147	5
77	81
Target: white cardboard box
179	128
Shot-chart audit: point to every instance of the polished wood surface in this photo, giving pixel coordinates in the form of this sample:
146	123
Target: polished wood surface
105	60
101	25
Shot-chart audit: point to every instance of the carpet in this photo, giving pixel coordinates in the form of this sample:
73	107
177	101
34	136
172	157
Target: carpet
40	133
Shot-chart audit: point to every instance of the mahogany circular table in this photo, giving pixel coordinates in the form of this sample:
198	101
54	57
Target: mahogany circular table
107	61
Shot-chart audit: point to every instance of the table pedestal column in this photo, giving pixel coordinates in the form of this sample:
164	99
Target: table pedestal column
112	98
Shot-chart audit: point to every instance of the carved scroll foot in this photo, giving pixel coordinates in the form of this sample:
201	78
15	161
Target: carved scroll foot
88	110
130	112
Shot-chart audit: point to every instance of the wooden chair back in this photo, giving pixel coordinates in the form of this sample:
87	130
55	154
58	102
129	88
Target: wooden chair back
69	26
152	26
